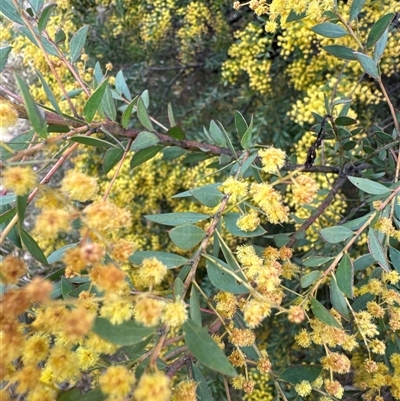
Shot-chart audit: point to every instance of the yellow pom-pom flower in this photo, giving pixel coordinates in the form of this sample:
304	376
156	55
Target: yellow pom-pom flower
19	179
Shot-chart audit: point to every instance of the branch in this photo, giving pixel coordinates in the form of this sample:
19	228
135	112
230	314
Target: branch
310	221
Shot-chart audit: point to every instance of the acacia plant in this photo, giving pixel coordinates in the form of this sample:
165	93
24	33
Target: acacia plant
247	277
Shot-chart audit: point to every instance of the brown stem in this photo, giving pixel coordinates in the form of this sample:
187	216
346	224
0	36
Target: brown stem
311	220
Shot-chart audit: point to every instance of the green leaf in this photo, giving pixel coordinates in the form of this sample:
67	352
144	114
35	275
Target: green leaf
368	186
111	158
202	390
144	140
321	313
338	300
296	374
195	313
345	276
94	101
108	105
87	140
377	251
173	152
32	247
126	115
216	134
240	124
22	202
66	287
171	117
223	280
49	94
355	9
394	255
141	156
72	94
77	42
315	261
308	279
59	253
143	116
329	30
363	262
45	16
176	132
378	29
179	288
127	333
368	65
35	115
187	236
344	121
340	51
48	46
74	394
380	46
36	5
205	349
8	9
177	219
7	199
246	140
6	216
208	195
171	260
4	52
121	86
230	220
336	234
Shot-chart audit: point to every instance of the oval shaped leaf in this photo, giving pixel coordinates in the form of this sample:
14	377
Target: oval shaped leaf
368	186
4	52
143	116
33	247
143	155
127	113
208	195
177	219
77	42
205	349
171	260
223	280
340	51
335	234
87	140
127	333
377	251
246	140
379	28
367	64
187	236
94	102
309	278
355	8
321	313
329	30
345	276
296	374
35	115
338	300
144	140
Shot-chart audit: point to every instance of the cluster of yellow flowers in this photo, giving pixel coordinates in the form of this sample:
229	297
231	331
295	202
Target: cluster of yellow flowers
245	56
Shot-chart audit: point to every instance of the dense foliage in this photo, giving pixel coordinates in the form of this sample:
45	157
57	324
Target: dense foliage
170	230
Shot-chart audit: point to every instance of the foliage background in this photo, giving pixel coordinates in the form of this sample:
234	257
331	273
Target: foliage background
208	59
